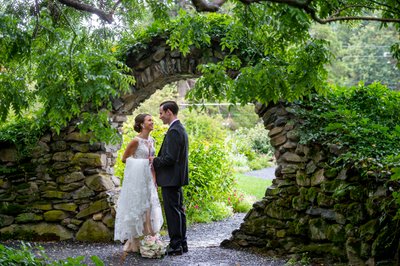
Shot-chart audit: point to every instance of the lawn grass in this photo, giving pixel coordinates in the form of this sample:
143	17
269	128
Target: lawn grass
252	186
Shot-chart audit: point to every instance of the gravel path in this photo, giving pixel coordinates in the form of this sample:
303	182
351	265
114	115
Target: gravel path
266	173
203	241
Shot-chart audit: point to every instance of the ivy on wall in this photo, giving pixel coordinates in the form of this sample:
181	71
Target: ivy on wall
361	125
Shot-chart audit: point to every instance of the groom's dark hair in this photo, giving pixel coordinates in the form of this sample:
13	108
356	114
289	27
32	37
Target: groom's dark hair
171	105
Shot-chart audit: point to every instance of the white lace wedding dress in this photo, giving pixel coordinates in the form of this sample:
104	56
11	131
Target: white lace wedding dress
138	206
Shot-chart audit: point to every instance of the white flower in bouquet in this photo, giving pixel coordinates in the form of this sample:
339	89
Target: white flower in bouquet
152	247
149	240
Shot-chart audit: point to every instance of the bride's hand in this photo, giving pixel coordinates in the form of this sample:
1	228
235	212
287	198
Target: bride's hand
154	177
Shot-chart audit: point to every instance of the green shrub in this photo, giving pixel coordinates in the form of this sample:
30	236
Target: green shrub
234	116
244	205
199	215
251	148
220	210
201	126
213	211
23	132
241	144
22	256
260	162
259	139
25	256
240	201
304	260
210	176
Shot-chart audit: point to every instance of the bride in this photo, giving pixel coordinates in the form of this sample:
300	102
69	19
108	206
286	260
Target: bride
138	207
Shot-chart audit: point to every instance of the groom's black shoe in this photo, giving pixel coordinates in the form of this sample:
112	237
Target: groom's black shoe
184	247
174	251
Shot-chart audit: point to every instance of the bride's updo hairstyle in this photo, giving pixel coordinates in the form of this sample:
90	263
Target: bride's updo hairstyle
139	120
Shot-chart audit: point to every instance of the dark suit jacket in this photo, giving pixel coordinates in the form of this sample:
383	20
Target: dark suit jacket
171	164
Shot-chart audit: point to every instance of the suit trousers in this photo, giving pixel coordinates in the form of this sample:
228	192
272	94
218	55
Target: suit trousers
175	215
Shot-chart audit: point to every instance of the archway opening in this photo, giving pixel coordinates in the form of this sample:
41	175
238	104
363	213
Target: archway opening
231	159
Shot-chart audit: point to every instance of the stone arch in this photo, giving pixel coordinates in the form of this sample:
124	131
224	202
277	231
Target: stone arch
157	66
67	190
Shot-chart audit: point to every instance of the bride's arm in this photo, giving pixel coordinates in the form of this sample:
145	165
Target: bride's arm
153	172
130	149
151	153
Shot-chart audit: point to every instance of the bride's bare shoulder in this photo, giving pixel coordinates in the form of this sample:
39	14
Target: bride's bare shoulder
134	142
130	149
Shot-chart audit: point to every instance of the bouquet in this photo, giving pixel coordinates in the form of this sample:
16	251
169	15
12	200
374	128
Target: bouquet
152	247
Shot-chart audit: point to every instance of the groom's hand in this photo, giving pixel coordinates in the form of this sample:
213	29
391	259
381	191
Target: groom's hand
151	159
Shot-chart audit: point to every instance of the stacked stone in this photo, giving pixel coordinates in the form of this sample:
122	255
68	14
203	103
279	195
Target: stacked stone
314	208
158	65
65	191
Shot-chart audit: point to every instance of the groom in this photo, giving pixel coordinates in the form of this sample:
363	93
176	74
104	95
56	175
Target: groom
171	166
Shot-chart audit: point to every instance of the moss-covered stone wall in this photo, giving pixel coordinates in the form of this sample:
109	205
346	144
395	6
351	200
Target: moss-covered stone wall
66	190
316	210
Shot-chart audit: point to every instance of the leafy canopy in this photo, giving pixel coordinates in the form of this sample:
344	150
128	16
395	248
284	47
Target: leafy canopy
59	68
65	58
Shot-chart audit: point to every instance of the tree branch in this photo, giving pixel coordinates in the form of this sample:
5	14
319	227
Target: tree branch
204	5
387	9
115	6
36	12
332	19
293	3
214	6
108	17
336	16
